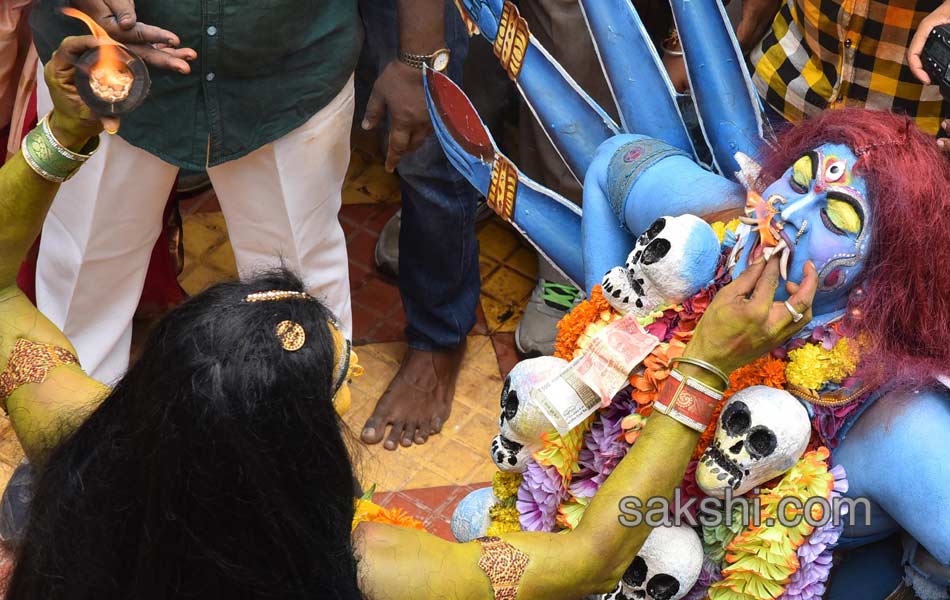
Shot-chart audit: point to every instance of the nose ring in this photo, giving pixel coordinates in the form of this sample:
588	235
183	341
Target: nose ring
801	230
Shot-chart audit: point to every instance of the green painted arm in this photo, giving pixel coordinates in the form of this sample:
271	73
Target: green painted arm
41	413
398	563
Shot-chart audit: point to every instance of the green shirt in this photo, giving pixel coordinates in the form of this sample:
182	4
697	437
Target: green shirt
264	67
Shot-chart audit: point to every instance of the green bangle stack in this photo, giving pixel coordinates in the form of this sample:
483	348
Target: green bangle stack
50	159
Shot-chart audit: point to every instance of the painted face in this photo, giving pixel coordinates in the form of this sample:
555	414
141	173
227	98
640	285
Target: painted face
820	210
347	367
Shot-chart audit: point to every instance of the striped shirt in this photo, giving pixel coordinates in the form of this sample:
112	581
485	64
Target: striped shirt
831	53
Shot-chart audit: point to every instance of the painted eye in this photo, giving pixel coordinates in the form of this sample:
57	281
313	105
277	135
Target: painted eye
801	174
836	171
843	216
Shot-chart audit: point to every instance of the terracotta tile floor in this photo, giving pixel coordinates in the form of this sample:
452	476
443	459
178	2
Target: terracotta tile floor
427	481
459	455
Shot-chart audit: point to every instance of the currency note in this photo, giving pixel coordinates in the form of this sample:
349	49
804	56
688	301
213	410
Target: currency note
591	380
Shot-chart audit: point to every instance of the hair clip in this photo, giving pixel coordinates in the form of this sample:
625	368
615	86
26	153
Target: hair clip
291	335
898	141
274	295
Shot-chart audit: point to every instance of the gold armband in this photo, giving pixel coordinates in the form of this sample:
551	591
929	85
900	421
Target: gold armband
504	565
31	362
512	40
503	188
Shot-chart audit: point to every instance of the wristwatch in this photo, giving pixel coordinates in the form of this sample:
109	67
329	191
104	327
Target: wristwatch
437	61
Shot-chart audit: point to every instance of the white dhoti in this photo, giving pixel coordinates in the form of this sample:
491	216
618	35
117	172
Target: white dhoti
281	204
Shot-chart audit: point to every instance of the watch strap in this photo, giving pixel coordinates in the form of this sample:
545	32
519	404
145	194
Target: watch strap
419	61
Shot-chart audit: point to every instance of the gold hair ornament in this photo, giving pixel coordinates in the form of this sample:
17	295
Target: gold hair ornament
275	295
290	333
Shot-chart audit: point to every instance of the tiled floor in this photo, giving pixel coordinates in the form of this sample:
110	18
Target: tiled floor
426	481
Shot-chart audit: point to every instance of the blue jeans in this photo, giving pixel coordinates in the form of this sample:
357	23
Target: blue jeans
438	253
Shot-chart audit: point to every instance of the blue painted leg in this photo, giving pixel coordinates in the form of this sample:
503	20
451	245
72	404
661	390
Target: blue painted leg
606	242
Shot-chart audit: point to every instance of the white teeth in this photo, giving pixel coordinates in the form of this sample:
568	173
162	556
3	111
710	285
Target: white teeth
768	253
783	266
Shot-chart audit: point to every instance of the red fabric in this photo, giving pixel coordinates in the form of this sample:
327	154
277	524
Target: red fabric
161	291
906	310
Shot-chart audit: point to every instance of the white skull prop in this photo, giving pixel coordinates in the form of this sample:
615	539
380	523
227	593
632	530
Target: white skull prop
671	262
666	568
762	432
521	422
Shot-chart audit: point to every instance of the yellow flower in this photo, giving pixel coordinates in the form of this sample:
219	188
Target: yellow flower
811	366
505	485
508	514
504	519
502	527
721	228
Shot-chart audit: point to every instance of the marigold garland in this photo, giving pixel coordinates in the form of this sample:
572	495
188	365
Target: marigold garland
575	323
369	511
505	485
761	559
656	369
504	519
812	366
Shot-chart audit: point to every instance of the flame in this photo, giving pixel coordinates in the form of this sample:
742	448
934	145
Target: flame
110	77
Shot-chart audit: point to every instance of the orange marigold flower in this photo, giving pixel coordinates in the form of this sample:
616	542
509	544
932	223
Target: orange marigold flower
575	323
399	517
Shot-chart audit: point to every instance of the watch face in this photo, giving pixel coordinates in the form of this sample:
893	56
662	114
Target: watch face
440	61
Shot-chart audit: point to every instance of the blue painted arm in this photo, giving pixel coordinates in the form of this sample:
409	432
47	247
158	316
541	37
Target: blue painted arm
643	92
721	88
897	455
572	120
549	221
633	181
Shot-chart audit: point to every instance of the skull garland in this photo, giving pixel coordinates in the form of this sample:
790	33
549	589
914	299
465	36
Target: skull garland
522	422
666	568
672	261
762	432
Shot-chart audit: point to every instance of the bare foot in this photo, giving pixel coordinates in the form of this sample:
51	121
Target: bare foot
418	401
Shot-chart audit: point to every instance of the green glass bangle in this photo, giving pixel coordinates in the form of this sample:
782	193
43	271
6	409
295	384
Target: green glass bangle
50	159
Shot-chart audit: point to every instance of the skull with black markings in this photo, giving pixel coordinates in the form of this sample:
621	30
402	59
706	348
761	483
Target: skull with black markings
522	422
666	567
671	261
762	432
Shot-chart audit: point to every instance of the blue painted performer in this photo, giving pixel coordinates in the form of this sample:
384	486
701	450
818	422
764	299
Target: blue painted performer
857	196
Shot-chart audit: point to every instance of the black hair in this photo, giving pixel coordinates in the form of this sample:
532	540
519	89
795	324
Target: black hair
216	468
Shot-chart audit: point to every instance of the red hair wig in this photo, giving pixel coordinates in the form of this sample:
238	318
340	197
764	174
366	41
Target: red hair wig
906	309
